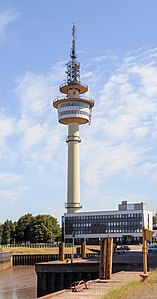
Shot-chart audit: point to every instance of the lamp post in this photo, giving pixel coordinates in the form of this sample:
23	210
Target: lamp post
73	241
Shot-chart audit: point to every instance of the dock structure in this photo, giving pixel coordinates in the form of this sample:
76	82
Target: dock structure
96	288
59	275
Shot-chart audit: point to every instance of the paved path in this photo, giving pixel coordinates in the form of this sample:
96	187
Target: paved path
97	289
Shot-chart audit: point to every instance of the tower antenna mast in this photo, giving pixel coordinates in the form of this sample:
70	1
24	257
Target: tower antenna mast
73	66
73	50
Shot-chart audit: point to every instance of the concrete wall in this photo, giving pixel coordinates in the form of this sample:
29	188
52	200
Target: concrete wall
5	260
52	277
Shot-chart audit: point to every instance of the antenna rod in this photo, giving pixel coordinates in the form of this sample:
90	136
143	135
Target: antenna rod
73	50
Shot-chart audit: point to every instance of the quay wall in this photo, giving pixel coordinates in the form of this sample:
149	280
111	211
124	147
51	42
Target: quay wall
55	276
32	259
5	260
52	277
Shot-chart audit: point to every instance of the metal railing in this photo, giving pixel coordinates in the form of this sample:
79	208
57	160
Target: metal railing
74	99
30	245
65	84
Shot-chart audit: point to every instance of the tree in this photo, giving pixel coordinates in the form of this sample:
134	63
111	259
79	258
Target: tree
46	228
155	220
6	232
41	228
12	231
1	229
23	230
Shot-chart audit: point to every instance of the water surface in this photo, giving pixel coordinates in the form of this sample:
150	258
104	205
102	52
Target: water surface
18	283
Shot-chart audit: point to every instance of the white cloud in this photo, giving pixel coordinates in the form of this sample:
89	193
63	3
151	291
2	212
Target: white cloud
13	194
33	136
6	18
9	178
22	189
7	131
106	56
122	137
39	132
34	93
7	195
7	125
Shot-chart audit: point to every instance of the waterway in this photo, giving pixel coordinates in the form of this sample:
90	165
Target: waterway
18	283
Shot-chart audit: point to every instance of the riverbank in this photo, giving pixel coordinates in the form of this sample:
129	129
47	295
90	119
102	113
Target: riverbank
53	250
5	260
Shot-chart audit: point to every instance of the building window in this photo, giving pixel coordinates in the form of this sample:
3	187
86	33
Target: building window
148	221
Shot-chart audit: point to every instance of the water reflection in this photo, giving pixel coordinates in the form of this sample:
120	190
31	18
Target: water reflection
18	283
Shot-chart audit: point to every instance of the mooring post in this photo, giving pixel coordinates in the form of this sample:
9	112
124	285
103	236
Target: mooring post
61	251
83	249
101	260
108	272
106	252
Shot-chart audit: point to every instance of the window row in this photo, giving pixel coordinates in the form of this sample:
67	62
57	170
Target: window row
105	231
120	223
73	112
98	217
80	104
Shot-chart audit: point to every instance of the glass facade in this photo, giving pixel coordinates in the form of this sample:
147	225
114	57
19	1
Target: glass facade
104	224
73	112
74	103
125	224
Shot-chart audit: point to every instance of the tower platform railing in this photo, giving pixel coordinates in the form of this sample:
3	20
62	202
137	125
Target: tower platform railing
73	99
66	84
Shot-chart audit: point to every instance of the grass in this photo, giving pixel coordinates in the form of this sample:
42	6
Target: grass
124	290
53	250
27	250
131	288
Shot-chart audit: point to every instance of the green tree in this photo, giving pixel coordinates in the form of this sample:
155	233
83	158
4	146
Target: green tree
23	229
1	229
12	231
6	232
155	220
41	228
46	229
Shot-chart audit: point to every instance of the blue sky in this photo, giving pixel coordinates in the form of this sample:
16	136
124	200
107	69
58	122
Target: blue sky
117	49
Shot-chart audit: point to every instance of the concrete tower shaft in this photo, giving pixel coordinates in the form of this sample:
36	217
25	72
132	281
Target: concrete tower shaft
73	110
73	183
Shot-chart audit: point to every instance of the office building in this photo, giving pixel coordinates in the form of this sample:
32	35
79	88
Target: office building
124	224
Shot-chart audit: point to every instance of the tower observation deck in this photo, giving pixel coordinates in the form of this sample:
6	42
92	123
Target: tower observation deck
73	110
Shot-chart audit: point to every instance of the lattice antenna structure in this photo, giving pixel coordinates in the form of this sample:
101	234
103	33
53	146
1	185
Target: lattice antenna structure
73	66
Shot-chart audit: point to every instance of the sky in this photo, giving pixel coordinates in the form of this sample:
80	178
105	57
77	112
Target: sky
117	49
